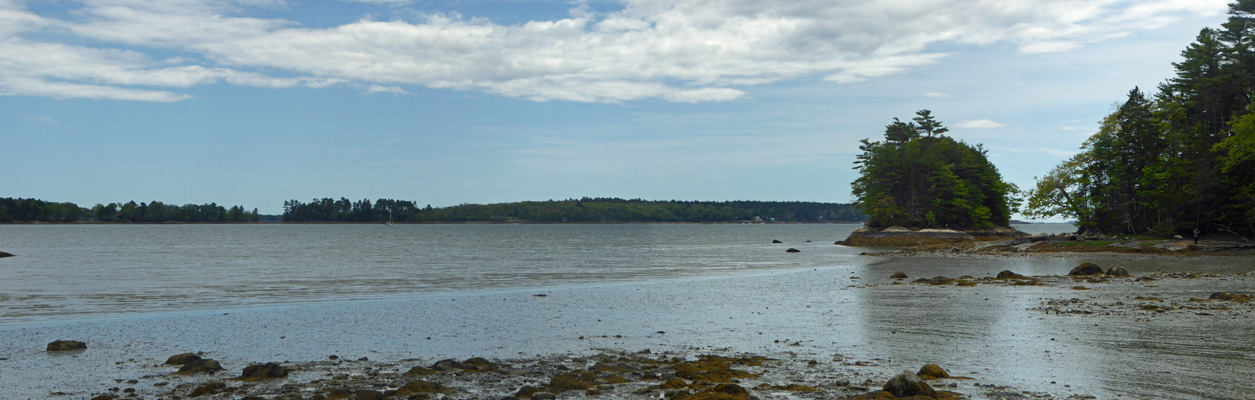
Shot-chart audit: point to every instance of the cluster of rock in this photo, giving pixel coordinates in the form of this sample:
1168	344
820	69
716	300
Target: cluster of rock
897	236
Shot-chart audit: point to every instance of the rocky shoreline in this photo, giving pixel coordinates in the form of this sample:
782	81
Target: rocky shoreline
1007	240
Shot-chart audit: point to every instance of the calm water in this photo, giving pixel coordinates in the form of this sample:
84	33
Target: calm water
63	271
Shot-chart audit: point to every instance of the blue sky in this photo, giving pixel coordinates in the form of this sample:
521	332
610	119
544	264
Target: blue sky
444	102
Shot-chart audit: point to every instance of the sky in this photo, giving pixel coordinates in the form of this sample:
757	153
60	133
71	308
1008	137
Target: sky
254	102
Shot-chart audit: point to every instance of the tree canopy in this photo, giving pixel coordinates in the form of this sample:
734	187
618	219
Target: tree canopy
920	178
1181	160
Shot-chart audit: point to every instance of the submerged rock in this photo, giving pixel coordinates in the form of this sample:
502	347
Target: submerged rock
899	275
1086	269
907	384
182	359
63	345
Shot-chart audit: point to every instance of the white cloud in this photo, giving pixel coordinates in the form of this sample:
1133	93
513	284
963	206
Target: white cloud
385	89
979	124
936	94
1056	152
687	51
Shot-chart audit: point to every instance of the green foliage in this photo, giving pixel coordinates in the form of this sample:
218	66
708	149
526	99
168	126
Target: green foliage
32	210
587	210
920	178
1183	160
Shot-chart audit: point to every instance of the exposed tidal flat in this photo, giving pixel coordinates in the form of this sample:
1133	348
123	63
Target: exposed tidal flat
826	317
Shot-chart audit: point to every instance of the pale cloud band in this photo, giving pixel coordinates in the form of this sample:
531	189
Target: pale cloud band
687	51
979	124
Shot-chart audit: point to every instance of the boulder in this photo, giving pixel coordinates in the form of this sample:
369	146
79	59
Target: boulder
1007	274
63	345
1118	271
899	275
907	384
932	371
1086	269
268	370
792	250
208	388
182	359
202	366
776	241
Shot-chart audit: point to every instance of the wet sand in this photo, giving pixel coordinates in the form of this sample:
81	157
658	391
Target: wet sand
855	323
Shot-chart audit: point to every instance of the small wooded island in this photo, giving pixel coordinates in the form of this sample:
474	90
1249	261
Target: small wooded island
919	186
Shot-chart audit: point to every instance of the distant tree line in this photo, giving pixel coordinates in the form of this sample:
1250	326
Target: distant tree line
33	210
588	210
1181	159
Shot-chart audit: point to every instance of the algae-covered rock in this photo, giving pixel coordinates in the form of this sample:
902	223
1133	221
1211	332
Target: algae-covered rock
417	387
446	365
268	370
1007	274
1118	271
899	275
63	345
182	359
208	388
932	371
907	384
202	366
1240	298
1086	269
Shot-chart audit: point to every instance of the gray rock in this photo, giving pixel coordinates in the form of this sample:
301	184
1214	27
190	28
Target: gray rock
1086	269
202	366
63	345
1117	271
792	250
182	359
907	384
264	371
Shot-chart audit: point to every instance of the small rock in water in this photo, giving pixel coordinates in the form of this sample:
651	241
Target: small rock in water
1117	271
776	241
907	384
182	359
932	371
202	366
899	275
1086	269
3	254
62	345
268	370
792	250
1007	274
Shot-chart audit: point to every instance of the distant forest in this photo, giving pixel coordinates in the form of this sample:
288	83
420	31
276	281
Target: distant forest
573	210
32	210
363	211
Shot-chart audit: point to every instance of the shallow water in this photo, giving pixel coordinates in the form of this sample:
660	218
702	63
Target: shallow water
683	288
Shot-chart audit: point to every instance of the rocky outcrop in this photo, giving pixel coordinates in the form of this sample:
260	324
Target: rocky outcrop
897	236
63	345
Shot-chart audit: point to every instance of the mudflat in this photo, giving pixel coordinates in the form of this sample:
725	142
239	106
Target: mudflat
826	333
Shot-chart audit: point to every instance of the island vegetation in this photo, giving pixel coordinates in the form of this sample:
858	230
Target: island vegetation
33	210
583	210
920	178
1181	159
